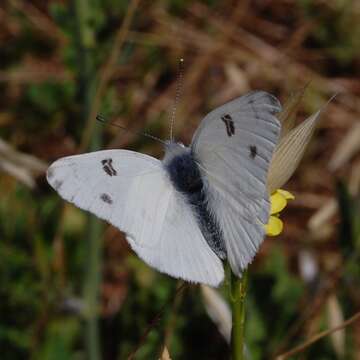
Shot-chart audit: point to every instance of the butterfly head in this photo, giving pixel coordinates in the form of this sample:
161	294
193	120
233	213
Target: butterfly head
174	149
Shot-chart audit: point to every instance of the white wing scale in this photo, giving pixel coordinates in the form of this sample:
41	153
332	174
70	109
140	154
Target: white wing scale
132	192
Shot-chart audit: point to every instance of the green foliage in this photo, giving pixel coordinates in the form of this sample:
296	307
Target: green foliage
276	293
60	340
336	28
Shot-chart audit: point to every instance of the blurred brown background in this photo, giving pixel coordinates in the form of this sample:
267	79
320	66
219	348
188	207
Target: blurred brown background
70	287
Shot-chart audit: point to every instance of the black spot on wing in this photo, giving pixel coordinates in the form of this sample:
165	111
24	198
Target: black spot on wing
108	167
229	124
232	127
106	198
107	170
253	151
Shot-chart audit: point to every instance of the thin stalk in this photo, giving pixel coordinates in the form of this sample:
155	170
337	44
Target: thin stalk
108	70
92	280
238	294
92	269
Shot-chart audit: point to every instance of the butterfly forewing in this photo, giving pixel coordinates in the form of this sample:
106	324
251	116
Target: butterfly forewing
233	147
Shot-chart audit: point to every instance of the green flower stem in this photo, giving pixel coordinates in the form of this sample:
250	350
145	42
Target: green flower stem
92	241
238	294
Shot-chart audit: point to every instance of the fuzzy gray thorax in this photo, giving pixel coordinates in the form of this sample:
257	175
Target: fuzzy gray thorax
174	149
185	176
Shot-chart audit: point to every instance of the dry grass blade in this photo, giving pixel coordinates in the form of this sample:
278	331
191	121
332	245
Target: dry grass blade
26	161
165	354
314	307
38	19
323	215
336	318
317	337
326	212
22	167
289	153
288	114
17	172
347	148
32	76
218	310
250	48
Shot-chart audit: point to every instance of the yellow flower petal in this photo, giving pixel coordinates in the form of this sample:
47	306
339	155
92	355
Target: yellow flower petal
274	226
287	194
278	202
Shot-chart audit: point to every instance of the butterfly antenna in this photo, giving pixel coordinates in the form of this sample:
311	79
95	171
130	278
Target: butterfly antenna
177	96
100	118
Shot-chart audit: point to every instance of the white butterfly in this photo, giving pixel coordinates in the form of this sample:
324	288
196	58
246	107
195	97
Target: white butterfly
199	205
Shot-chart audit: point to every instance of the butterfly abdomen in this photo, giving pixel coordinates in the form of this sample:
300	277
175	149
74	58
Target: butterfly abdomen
185	176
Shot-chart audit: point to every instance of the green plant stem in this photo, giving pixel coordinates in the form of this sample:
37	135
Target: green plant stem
92	241
92	280
238	294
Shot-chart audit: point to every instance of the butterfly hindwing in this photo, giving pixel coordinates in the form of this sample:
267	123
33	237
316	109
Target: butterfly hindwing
233	147
132	192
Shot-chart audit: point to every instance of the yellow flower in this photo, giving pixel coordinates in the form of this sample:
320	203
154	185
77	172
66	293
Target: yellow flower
286	157
278	202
